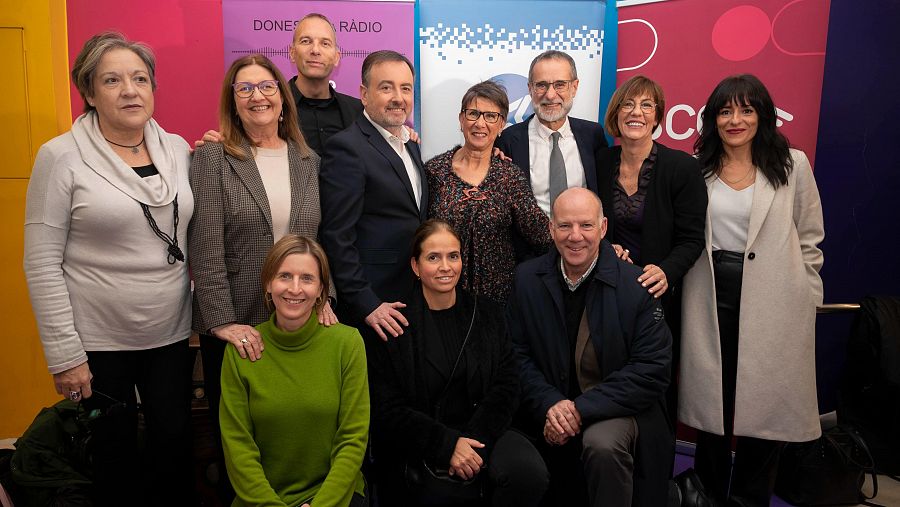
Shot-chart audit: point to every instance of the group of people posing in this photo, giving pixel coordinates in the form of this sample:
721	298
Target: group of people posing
519	321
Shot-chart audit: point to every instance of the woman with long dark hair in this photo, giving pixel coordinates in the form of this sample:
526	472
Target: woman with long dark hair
749	302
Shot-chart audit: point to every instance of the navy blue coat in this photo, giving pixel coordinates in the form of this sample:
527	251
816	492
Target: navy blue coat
369	216
628	327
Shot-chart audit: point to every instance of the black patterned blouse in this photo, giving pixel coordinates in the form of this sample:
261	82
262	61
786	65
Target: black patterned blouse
484	217
629	209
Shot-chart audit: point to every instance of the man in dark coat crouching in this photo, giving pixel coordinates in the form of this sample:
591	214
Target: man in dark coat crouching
594	350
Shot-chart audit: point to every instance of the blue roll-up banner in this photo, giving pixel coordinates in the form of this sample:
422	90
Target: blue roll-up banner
463	42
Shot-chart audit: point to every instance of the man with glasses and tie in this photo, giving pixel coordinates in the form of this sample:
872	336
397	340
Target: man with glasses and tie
554	150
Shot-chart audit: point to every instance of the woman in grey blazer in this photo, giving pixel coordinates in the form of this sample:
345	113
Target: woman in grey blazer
258	184
749	302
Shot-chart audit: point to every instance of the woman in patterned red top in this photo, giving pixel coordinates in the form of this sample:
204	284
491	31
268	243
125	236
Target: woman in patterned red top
483	197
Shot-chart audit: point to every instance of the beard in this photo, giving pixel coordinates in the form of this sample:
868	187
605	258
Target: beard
563	111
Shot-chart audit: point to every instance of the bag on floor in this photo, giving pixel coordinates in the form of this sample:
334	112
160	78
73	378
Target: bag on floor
827	471
51	464
869	393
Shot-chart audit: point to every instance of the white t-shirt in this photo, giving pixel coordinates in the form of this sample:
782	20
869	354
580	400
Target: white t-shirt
729	216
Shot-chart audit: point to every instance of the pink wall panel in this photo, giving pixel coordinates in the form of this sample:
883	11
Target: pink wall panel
186	36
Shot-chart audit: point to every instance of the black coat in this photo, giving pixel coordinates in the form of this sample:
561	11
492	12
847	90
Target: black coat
634	343
674	209
369	216
403	428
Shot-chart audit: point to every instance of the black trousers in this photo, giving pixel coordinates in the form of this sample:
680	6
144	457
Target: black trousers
162	474
752	475
212	351
516	476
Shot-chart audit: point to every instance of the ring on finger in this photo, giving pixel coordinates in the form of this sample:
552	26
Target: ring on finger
244	341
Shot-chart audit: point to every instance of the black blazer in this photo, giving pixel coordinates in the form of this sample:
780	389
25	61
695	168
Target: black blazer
369	216
402	425
674	210
634	348
513	142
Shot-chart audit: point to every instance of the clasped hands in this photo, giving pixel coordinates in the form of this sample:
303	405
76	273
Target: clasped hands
465	461
562	423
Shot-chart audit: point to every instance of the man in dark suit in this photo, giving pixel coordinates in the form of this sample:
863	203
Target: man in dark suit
322	110
554	150
374	195
594	351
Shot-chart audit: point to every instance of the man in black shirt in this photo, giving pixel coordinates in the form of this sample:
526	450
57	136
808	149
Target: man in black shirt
322	110
594	351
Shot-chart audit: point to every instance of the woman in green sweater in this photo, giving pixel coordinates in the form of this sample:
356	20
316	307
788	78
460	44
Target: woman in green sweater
295	423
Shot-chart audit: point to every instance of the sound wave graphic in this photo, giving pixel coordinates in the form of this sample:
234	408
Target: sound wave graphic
284	52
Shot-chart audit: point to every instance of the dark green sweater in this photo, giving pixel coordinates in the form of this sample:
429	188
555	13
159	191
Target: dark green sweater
295	423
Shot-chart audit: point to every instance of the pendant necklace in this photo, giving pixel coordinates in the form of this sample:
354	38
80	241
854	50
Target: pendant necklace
134	148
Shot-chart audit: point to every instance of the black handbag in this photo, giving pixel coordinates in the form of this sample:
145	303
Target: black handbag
691	490
435	487
827	471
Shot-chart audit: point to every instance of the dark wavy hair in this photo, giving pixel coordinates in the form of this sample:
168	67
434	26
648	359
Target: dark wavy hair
770	148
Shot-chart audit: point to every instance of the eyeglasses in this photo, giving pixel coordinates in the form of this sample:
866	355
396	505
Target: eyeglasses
629	105
474	114
244	90
560	86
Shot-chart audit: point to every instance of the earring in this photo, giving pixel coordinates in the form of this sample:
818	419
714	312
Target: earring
281	117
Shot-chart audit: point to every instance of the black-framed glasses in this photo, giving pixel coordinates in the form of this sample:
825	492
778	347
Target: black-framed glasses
244	89
560	86
645	105
474	114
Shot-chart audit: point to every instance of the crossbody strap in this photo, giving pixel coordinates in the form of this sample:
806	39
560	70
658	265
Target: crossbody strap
462	348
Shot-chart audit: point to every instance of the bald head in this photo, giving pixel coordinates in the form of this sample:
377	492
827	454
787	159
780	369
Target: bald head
578	197
577	226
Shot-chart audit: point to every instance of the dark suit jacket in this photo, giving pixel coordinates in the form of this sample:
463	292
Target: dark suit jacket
231	231
634	343
588	136
403	429
369	216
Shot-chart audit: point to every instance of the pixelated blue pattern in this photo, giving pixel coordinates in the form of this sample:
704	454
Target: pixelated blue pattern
536	38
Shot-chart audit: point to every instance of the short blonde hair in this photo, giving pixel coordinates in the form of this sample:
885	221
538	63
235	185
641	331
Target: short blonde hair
291	244
633	88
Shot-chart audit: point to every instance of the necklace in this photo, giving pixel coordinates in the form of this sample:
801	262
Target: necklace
742	178
174	253
134	148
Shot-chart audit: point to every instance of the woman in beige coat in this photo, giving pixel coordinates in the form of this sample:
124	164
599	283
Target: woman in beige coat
748	335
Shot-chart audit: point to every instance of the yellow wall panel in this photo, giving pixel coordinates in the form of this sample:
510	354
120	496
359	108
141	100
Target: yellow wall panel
26	384
15	134
34	108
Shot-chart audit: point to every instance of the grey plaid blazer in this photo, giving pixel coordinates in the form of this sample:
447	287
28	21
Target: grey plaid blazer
231	231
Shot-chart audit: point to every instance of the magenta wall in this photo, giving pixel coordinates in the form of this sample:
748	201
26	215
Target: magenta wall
186	36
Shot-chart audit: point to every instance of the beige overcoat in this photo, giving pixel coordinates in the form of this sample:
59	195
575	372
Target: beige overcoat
776	376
